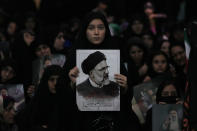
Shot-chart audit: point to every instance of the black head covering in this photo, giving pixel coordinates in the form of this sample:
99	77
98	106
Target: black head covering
44	101
91	61
82	42
48	72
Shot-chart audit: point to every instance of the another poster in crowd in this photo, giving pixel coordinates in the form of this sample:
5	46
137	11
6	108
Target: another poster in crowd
15	91
167	117
40	64
144	97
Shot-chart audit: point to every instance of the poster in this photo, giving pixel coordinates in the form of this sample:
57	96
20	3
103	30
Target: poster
144	97
15	91
167	117
40	64
96	89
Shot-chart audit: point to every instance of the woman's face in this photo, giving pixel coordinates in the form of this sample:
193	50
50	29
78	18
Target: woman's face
11	28
7	73
148	41
59	41
43	50
165	47
149	11
96	31
137	27
52	81
169	90
136	54
159	63
4	92
178	55
30	23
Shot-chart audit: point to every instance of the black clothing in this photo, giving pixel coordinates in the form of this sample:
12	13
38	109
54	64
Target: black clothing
23	55
50	109
125	119
192	79
86	89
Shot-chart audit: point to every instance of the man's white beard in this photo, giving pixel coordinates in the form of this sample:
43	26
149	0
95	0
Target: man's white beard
101	81
106	82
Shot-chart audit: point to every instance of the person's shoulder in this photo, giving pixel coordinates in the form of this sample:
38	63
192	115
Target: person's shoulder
83	86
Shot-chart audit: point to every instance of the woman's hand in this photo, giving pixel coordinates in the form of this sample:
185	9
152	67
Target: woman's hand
147	79
121	80
73	74
143	70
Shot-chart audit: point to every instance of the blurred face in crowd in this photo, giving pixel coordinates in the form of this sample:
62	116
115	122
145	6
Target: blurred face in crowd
52	81
4	92
148	41
165	47
137	27
102	6
9	113
2	38
96	31
30	23
179	35
178	55
7	73
43	50
59	41
159	63
148	10
169	90
136	54
29	37
11	28
100	74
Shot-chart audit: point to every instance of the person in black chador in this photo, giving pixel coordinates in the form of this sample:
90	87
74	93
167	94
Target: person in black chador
98	83
51	104
95	34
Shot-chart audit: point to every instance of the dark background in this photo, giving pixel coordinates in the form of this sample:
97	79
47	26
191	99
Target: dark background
54	11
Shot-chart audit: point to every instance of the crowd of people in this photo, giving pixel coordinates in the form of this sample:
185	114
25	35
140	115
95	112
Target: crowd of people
151	47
